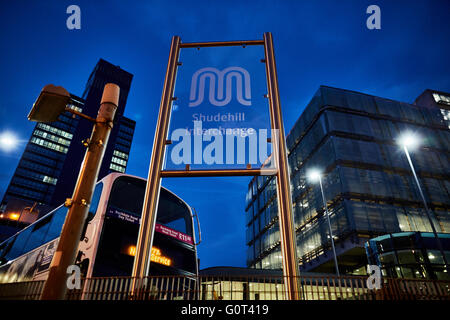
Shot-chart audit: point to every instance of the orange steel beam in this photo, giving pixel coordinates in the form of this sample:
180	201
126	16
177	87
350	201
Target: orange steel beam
221	44
217	173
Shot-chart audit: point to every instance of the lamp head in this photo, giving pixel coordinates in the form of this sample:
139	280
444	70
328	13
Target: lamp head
409	140
314	175
50	104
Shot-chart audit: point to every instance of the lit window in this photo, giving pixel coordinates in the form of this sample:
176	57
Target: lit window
52	129
440	98
119	161
51	137
50	180
117	168
446	116
74	107
49	145
120	154
436	97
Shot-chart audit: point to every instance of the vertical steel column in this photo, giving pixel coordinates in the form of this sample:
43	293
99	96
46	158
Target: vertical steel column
287	233
149	210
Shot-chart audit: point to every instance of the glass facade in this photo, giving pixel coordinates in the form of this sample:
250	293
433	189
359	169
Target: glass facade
122	145
367	181
121	133
410	255
41	163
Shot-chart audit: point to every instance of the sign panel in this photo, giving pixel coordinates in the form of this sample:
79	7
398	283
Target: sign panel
173	233
123	215
220	117
113	212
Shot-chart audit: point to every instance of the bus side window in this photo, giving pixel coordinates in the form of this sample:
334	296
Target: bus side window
95	200
2	249
92	208
6	247
38	233
19	244
56	224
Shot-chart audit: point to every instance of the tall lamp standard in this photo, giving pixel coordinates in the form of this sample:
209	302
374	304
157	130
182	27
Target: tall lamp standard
412	141
52	101
316	176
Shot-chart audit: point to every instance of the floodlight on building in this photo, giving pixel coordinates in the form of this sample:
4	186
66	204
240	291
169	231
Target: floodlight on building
409	140
314	175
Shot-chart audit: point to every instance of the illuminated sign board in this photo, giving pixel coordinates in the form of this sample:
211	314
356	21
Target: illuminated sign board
156	256
131	251
159	258
123	215
220	117
173	233
158	227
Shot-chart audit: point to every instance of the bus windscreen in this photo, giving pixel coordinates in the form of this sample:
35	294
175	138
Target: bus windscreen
127	197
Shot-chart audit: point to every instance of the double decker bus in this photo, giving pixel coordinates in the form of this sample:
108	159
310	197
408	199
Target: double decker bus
108	243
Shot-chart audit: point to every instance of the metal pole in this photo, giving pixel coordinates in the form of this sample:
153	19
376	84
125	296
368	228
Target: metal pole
55	287
329	226
148	218
286	221
427	210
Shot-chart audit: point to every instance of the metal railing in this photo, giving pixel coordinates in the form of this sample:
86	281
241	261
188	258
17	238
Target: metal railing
29	290
237	288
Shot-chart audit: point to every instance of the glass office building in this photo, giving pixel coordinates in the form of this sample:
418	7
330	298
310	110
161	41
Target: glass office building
33	184
367	181
48	169
122	145
40	165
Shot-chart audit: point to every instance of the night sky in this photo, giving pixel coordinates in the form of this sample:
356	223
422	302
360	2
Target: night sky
316	43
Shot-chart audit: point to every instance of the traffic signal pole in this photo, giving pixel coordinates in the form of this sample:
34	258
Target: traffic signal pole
56	285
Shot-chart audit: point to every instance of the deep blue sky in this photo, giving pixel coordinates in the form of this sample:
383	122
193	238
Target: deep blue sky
316	42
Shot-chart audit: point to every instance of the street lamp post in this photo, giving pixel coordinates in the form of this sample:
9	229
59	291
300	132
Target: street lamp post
409	139
51	102
315	175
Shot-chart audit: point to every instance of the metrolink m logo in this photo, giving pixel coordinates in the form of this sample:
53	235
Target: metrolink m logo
220	86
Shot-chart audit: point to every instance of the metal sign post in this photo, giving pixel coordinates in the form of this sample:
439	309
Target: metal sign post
147	226
286	219
148	217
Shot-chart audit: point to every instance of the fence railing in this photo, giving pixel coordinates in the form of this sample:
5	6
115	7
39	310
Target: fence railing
237	288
